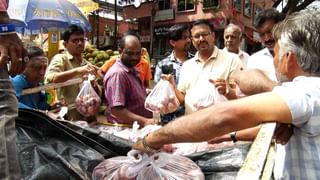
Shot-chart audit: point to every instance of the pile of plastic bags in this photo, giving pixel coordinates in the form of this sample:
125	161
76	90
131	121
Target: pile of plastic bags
139	166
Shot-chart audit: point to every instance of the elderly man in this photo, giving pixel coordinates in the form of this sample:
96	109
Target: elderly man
295	101
263	61
69	65
124	90
232	38
209	62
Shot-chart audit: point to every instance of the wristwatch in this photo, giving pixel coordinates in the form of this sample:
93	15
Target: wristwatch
233	136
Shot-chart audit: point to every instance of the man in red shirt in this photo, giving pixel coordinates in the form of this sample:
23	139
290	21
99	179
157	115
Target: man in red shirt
143	68
124	92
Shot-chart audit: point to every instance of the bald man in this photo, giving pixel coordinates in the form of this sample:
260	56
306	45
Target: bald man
124	91
232	39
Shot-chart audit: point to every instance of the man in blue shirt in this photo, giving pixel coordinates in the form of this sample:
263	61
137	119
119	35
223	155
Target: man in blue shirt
179	39
32	77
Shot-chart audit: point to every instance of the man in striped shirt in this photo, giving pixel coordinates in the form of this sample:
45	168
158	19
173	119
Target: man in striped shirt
124	90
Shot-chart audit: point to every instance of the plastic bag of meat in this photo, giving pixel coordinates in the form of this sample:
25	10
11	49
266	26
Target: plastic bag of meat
208	96
139	166
88	101
162	99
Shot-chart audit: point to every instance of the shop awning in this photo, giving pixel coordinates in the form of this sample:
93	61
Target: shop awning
86	6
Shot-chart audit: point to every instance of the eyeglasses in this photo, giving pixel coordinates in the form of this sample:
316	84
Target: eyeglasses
203	34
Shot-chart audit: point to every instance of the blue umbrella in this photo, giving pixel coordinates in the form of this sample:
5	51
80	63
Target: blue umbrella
38	14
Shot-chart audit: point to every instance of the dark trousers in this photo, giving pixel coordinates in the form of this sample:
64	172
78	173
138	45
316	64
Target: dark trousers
166	118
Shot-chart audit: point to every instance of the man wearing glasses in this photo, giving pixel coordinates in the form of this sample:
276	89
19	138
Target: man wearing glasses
69	65
210	65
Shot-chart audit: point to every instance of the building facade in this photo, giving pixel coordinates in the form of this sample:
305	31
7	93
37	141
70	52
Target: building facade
154	17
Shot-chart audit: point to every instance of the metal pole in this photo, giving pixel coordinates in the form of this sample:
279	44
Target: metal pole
115	26
94	25
153	12
97	26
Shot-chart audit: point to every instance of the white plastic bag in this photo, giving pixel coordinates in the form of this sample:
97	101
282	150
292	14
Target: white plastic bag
207	97
88	101
162	99
139	166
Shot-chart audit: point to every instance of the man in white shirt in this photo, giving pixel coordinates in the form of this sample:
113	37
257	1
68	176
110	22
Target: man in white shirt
296	101
209	62
232	38
263	59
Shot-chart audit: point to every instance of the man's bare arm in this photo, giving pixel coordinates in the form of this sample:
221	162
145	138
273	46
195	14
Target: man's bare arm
221	119
254	81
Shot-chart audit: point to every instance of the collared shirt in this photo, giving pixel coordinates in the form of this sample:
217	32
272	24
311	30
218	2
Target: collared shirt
3	5
61	63
143	67
302	152
243	56
171	59
30	101
263	60
176	64
195	74
123	87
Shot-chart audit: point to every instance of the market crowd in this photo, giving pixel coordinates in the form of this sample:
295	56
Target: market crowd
214	95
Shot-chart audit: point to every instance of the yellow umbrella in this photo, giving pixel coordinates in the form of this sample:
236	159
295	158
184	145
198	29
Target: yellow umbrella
86	6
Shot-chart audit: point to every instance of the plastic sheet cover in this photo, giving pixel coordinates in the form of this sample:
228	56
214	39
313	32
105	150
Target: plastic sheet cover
46	151
222	163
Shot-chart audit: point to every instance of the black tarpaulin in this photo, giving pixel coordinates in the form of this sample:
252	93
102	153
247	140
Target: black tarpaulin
48	149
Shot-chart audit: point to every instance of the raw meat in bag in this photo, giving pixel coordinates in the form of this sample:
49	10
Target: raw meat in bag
162	99
88	101
140	166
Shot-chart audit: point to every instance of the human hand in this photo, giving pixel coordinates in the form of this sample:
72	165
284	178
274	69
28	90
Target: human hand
88	69
166	148
221	85
144	146
254	81
148	121
13	53
57	105
283	133
148	90
169	78
140	147
100	73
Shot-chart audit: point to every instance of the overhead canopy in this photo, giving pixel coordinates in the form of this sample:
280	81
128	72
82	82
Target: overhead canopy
86	6
39	14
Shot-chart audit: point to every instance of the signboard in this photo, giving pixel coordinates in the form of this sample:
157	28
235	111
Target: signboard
161	31
163	15
218	23
54	38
